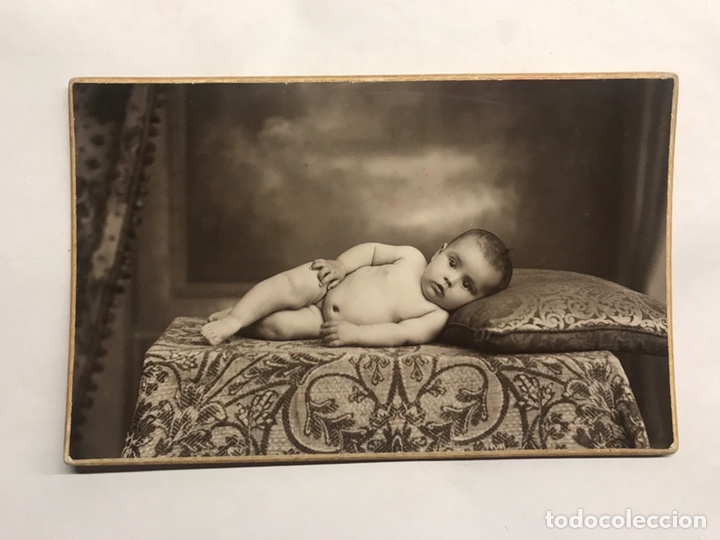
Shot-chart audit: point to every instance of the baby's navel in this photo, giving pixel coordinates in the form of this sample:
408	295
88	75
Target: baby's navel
335	309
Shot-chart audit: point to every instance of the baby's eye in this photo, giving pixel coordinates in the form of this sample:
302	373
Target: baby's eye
466	284
453	264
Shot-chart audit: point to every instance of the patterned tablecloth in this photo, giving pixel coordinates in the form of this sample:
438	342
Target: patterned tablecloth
251	397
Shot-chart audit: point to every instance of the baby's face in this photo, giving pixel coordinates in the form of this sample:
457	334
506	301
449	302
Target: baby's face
458	274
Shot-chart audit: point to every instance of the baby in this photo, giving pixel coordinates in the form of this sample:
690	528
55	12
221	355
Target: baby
371	295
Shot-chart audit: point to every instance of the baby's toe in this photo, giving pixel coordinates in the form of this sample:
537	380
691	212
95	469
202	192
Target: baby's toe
209	334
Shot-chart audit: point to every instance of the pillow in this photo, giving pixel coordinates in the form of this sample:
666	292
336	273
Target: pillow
557	311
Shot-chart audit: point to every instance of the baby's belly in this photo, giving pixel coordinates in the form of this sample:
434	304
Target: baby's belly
363	297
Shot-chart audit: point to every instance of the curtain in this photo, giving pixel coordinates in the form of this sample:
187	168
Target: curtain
642	245
112	130
644	204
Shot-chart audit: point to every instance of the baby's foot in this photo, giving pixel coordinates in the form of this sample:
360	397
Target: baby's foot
218	331
219	314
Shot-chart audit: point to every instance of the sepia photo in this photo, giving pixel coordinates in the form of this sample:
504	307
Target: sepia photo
320	269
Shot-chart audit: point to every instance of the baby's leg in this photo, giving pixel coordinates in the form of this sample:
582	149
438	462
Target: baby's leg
219	314
290	290
303	323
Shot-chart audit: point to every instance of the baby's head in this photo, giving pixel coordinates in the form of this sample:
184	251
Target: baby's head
471	266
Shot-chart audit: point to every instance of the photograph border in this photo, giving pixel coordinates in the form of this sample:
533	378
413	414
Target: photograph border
144	463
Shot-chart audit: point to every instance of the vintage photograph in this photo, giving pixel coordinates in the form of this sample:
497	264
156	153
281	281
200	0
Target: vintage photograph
321	269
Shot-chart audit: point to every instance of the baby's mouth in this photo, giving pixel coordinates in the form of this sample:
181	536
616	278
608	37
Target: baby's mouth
439	289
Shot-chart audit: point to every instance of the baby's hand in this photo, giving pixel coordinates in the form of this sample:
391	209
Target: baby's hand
338	333
330	273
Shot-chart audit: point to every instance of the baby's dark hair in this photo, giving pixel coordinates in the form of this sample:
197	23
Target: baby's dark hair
497	254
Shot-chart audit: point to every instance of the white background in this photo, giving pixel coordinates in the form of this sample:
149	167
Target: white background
44	44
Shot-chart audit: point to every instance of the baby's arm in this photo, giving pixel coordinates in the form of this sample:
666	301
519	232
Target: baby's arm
370	254
408	332
374	254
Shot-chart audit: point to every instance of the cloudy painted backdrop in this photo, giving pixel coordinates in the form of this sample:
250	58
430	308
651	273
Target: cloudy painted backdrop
279	174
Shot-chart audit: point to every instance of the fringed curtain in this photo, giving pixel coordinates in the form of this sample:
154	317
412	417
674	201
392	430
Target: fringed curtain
113	127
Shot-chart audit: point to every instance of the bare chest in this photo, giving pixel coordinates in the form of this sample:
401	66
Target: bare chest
377	294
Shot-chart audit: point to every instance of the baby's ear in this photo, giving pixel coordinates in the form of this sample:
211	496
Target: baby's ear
439	251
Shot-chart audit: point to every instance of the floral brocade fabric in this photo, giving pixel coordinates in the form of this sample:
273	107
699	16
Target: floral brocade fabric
556	311
249	397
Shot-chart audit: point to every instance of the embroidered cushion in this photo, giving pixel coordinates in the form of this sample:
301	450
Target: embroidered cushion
558	311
